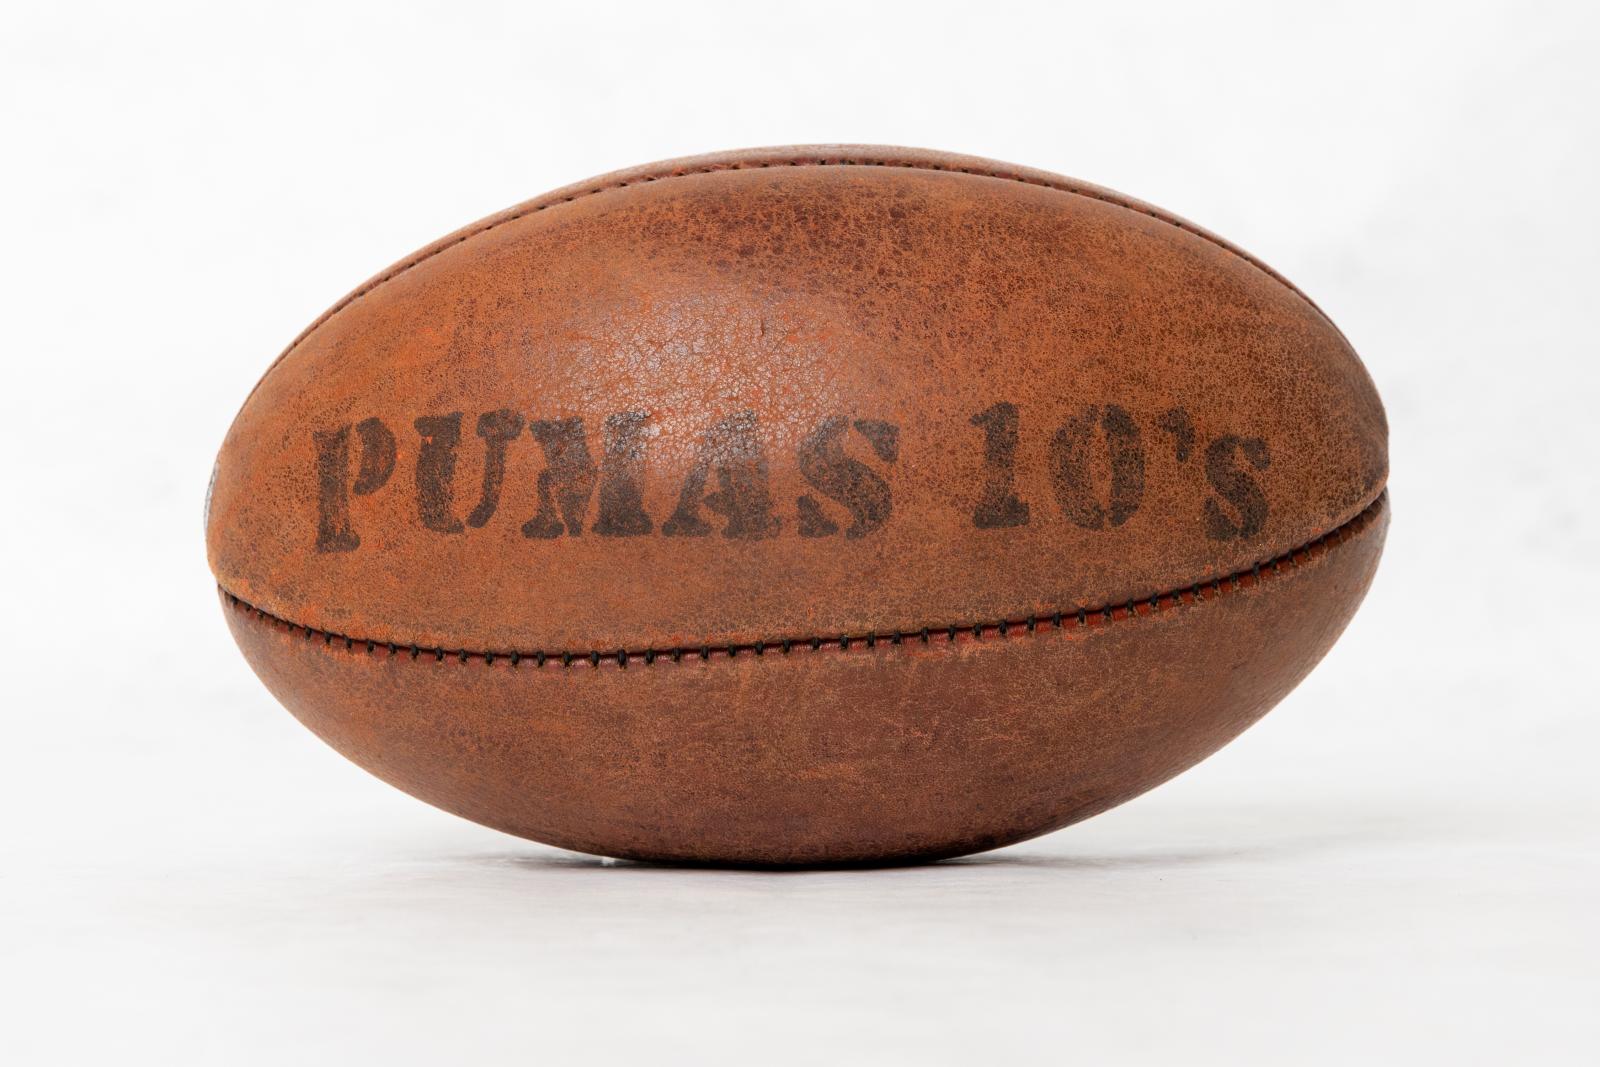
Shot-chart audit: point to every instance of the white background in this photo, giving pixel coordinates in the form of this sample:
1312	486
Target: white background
1397	866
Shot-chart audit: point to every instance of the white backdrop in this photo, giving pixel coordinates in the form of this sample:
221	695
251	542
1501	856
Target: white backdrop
1398	865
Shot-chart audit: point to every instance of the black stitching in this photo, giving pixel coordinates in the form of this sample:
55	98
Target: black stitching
1219	587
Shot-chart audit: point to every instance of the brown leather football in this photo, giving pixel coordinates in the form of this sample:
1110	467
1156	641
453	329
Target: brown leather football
801	506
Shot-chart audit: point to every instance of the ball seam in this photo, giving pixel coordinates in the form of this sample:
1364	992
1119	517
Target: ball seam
1076	618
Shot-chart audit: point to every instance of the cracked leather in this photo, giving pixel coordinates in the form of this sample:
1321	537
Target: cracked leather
779	398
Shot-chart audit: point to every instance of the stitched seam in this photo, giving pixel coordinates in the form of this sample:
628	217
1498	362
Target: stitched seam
1080	618
713	168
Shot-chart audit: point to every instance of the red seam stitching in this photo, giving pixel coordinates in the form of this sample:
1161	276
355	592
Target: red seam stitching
1074	619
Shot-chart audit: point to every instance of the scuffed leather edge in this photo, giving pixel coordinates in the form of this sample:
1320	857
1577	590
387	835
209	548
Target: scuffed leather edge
1080	618
786	156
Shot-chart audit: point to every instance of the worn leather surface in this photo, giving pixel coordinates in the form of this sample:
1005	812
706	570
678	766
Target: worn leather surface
771	398
862	754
